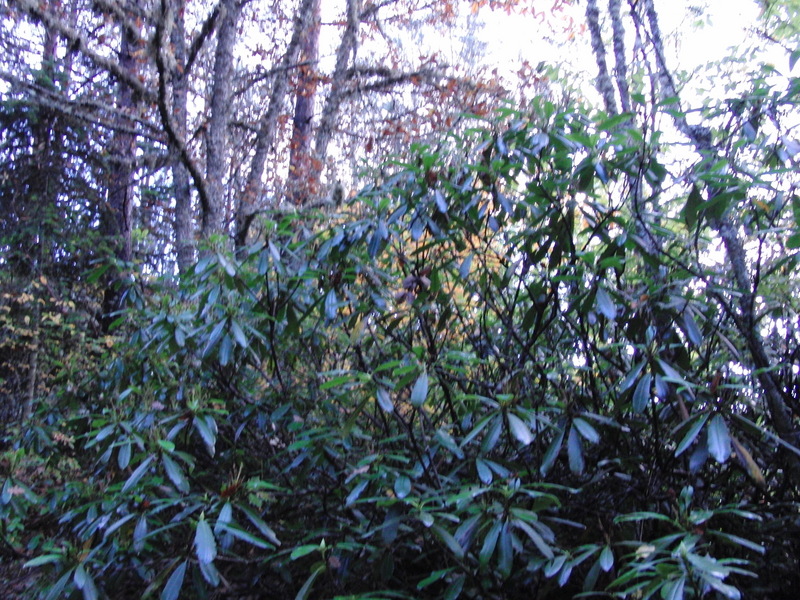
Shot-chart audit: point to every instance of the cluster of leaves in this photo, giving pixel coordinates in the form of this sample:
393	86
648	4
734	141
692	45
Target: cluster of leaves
479	380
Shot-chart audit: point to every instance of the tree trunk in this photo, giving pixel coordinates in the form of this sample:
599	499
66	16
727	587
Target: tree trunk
219	119
301	166
184	231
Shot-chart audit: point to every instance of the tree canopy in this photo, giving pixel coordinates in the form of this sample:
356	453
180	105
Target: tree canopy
291	306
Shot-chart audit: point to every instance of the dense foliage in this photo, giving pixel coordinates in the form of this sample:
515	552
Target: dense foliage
511	366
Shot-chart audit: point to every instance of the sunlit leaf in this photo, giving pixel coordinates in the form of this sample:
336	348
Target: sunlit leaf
420	390
204	542
719	440
519	429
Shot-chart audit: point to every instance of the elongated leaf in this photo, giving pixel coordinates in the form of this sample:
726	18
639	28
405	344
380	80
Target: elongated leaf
138	474
505	552
606	559
484	472
175	474
630	378
465	267
575	451
489	543
246	536
588	432
692	433
259	523
519	429
302	551
606	305
385	399
124	455
172	590
331	305
205	544
205	426
354	495
691	329
448	540
140	533
750	465
641	395
719	440
216	335
224	518
674	589
420	390
535	537
402	486
552	453
45	559
306	589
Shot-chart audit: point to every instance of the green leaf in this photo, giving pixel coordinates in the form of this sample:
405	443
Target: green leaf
215	336
331	305
691	209
673	590
453	590
606	559
140	533
205	544
238	334
691	329
172	590
175	474
535	537
552	453
354	495
588	432
402	486
448	540
719	440
137	474
692	433
259	523
630	378
489	544
641	395
385	399
306	589
420	390
519	429
206	427
484	472
304	550
605	304
224	518
575	451
246	536
45	559
466	266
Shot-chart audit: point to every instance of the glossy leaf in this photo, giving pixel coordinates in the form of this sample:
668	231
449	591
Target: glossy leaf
204	542
420	390
719	440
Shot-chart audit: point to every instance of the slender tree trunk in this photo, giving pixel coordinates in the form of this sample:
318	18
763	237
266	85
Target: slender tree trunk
184	231
117	218
218	136
301	166
603	81
250	202
330	112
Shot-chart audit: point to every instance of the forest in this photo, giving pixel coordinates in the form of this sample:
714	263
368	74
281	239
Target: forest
354	299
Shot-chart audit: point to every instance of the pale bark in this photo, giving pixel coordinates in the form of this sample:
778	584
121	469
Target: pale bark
620	63
603	80
217	149
336	94
184	234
